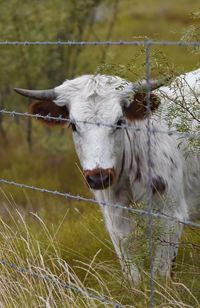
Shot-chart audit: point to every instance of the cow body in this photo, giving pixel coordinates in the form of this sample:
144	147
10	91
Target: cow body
175	192
162	174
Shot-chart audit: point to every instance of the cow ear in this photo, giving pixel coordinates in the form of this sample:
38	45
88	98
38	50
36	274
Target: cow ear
138	108
49	108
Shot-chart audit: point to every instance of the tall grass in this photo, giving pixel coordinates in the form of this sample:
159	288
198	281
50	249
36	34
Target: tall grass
34	244
67	240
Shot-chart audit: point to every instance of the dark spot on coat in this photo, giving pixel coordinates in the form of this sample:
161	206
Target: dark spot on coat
165	154
138	171
173	162
158	185
131	164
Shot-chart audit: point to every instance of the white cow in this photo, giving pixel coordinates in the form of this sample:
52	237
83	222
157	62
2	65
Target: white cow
115	160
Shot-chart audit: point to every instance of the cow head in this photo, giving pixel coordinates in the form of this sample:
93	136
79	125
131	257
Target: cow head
87	101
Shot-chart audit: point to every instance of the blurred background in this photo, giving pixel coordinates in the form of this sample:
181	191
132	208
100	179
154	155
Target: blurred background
36	155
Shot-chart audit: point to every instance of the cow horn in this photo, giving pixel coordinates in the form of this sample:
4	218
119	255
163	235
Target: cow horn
144	86
38	94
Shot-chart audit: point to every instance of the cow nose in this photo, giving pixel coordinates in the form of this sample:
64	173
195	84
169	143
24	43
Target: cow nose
100	179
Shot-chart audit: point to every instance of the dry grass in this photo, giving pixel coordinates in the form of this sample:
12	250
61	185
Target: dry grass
67	240
39	252
40	256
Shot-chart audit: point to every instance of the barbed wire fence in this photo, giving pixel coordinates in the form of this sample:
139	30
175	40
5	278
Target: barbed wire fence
149	212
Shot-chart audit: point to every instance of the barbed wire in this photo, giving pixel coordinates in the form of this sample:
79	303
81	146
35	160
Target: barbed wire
149	212
105	43
64	285
169	132
67	195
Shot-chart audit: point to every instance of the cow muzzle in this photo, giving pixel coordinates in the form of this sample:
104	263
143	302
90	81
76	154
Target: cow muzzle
100	178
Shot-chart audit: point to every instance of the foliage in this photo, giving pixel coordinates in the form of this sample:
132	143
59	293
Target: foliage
192	33
65	238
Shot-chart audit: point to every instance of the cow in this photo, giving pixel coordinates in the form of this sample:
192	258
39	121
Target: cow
110	118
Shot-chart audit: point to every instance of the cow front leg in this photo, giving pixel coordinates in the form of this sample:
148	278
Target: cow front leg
167	243
120	225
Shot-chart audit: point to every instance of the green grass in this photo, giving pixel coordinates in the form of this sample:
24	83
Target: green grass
67	239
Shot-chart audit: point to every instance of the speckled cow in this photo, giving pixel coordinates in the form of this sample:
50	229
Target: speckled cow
115	160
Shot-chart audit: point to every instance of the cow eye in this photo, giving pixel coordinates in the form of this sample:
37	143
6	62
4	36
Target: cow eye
73	126
120	122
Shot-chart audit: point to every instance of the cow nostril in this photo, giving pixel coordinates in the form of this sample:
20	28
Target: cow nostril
98	178
99	181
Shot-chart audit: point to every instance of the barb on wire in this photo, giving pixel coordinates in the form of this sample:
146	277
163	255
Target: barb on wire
99	43
169	132
65	285
142	212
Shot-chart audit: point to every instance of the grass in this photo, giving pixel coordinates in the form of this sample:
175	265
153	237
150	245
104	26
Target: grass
67	239
54	249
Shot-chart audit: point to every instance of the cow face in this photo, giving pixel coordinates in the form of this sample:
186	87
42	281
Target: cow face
96	108
99	147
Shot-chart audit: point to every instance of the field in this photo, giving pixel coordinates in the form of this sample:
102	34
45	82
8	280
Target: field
62	238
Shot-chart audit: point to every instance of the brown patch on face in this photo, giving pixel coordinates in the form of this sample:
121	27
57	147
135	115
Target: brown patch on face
158	185
138	110
45	108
